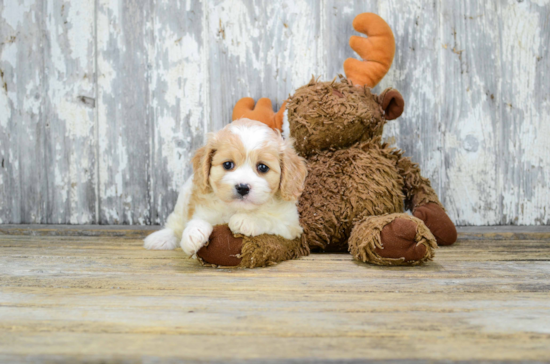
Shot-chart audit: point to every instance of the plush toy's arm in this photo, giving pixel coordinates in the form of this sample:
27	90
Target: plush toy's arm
418	190
264	250
226	249
422	200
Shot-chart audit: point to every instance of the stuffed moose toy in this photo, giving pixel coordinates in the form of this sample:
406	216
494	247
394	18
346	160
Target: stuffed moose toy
357	187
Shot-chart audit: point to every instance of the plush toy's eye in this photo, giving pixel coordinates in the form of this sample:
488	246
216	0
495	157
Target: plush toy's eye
262	168
228	165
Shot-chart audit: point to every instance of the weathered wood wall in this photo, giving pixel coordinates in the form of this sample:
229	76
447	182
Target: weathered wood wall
102	102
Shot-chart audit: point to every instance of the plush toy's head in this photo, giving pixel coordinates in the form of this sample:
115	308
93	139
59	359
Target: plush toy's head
325	115
335	115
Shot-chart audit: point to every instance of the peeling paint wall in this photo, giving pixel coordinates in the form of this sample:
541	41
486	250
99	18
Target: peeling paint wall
103	102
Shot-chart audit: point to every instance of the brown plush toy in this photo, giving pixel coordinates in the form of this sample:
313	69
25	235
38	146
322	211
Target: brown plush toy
357	187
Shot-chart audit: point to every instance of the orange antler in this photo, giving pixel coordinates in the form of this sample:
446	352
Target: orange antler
377	50
262	112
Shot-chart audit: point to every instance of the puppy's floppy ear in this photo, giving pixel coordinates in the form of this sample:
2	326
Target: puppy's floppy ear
293	173
202	162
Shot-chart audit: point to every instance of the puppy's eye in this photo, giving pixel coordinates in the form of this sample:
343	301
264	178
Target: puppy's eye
228	165
262	168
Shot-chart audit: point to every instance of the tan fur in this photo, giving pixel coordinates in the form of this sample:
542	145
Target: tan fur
270	156
201	166
290	166
286	175
229	148
294	172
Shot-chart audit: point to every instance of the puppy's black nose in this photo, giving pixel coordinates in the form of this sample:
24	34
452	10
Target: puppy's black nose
242	189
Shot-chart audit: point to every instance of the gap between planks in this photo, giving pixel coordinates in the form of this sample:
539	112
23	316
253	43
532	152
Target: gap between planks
136	232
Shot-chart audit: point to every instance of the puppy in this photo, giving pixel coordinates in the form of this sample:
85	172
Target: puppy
246	176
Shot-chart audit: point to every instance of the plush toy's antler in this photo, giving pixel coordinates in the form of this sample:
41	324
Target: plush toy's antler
377	50
244	108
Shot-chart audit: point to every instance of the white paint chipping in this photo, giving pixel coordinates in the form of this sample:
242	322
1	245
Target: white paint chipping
233	22
15	13
474	76
5	109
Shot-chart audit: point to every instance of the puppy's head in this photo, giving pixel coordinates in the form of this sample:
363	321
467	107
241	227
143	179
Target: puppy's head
247	163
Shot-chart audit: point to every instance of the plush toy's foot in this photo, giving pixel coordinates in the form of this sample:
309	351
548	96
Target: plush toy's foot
228	250
223	248
396	239
439	223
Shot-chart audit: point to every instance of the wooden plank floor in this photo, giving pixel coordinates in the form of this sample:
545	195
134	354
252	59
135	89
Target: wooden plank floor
103	298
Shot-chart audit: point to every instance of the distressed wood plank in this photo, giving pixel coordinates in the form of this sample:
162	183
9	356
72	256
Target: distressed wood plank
470	247
469	72
415	74
245	315
260	49
124	43
70	299
179	88
524	59
192	278
224	349
54	262
23	176
473	74
69	77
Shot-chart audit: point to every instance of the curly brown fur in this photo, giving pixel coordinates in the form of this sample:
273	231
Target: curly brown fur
265	250
333	115
346	185
418	190
365	239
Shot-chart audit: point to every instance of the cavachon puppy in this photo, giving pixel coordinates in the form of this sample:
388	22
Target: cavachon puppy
246	176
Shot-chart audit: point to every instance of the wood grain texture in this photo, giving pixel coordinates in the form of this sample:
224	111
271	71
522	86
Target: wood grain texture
260	49
73	299
179	91
124	40
471	118
525	112
70	117
103	102
23	174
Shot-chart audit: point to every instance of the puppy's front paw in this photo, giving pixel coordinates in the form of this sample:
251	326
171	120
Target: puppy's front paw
195	236
244	224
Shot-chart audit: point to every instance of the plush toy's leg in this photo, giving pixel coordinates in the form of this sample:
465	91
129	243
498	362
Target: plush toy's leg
422	200
226	249
395	239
